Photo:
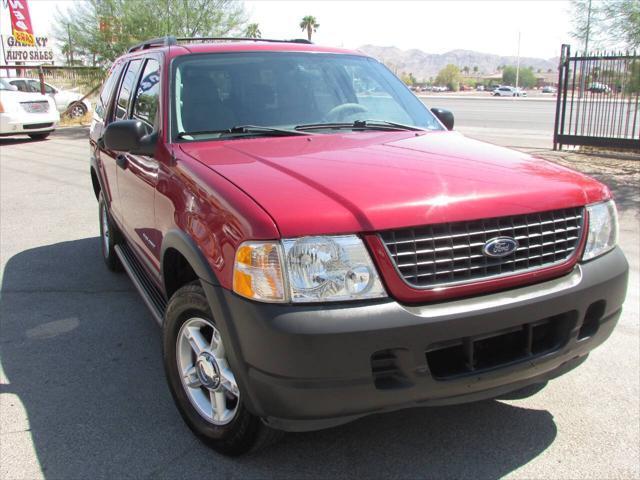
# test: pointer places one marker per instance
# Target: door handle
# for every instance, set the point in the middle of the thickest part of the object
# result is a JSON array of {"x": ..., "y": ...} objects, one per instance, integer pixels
[{"x": 122, "y": 161}]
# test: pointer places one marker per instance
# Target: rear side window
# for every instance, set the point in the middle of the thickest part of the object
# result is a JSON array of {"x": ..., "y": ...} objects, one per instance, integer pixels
[
  {"x": 21, "y": 85},
  {"x": 107, "y": 90},
  {"x": 35, "y": 87},
  {"x": 145, "y": 106},
  {"x": 126, "y": 87}
]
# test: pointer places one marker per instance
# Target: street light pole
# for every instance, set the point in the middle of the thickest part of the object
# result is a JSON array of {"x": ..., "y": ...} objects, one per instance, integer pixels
[{"x": 518, "y": 65}]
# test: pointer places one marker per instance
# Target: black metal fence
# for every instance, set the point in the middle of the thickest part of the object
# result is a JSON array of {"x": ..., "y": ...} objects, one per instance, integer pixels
[{"x": 598, "y": 100}]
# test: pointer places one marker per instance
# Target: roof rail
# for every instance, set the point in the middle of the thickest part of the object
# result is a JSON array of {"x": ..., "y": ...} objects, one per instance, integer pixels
[
  {"x": 240, "y": 39},
  {"x": 154, "y": 42}
]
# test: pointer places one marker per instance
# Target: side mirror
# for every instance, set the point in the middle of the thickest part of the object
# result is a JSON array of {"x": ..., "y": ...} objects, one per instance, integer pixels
[
  {"x": 130, "y": 136},
  {"x": 445, "y": 116}
]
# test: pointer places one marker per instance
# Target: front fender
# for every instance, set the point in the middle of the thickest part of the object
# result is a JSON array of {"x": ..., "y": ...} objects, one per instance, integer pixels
[{"x": 185, "y": 245}]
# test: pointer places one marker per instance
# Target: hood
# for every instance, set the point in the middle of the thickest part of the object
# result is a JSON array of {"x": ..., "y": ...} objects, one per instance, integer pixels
[{"x": 371, "y": 181}]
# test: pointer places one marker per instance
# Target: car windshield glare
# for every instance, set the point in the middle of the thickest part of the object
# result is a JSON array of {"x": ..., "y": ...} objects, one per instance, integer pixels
[{"x": 215, "y": 92}]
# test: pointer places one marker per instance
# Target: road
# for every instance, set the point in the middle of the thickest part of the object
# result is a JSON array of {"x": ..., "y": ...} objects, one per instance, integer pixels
[
  {"x": 83, "y": 394},
  {"x": 513, "y": 122}
]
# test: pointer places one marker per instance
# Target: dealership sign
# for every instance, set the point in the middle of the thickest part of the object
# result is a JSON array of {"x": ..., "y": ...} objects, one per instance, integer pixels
[
  {"x": 21, "y": 22},
  {"x": 16, "y": 51}
]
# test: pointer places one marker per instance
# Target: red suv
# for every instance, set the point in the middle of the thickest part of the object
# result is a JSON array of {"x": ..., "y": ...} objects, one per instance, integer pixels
[{"x": 317, "y": 245}]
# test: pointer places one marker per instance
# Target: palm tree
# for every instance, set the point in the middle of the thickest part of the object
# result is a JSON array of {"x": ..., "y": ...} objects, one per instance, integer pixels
[
  {"x": 253, "y": 31},
  {"x": 309, "y": 24}
]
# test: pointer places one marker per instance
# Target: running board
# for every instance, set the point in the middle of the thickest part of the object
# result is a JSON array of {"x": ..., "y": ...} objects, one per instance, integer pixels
[{"x": 152, "y": 296}]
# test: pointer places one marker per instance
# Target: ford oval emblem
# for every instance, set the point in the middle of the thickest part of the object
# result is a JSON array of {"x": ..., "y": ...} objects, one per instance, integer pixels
[{"x": 500, "y": 247}]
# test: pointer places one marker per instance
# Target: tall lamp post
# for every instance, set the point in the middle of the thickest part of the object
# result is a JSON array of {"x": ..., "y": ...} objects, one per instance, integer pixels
[{"x": 518, "y": 65}]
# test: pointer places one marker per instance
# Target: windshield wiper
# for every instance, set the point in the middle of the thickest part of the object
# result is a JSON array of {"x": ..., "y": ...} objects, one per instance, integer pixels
[
  {"x": 244, "y": 130},
  {"x": 359, "y": 125}
]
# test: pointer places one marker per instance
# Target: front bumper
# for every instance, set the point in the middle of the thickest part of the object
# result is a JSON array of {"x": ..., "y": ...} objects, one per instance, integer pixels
[
  {"x": 25, "y": 123},
  {"x": 308, "y": 367}
]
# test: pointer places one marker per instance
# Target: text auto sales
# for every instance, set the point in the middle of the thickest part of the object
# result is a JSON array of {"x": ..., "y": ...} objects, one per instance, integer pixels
[{"x": 19, "y": 52}]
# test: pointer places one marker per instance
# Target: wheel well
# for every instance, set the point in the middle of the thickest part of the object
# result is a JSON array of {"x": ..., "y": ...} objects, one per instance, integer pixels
[
  {"x": 176, "y": 270},
  {"x": 95, "y": 182}
]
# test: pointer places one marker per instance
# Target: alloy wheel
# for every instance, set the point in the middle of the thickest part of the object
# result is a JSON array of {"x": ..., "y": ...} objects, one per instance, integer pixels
[{"x": 205, "y": 373}]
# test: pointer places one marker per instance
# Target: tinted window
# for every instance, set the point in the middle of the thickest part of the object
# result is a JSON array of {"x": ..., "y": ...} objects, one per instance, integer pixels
[
  {"x": 126, "y": 87},
  {"x": 107, "y": 88},
  {"x": 145, "y": 107},
  {"x": 284, "y": 89},
  {"x": 35, "y": 87},
  {"x": 21, "y": 85}
]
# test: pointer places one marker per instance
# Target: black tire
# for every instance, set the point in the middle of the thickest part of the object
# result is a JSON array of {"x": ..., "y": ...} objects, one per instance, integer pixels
[
  {"x": 245, "y": 432},
  {"x": 526, "y": 392},
  {"x": 39, "y": 136},
  {"x": 77, "y": 110},
  {"x": 109, "y": 236}
]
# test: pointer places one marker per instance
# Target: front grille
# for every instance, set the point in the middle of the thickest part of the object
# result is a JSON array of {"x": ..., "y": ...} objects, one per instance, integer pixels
[
  {"x": 40, "y": 106},
  {"x": 473, "y": 355},
  {"x": 452, "y": 253}
]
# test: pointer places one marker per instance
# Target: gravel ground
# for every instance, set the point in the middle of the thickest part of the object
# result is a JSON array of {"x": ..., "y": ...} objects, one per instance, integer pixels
[{"x": 83, "y": 395}]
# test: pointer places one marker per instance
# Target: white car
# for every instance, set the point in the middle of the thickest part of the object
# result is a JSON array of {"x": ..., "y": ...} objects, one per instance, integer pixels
[
  {"x": 65, "y": 99},
  {"x": 25, "y": 113},
  {"x": 508, "y": 92}
]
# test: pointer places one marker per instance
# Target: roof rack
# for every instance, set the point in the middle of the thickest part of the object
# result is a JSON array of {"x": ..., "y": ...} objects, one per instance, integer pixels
[
  {"x": 171, "y": 40},
  {"x": 241, "y": 39},
  {"x": 154, "y": 42}
]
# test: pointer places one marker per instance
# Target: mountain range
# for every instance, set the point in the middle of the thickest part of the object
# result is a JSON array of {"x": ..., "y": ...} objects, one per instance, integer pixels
[{"x": 424, "y": 65}]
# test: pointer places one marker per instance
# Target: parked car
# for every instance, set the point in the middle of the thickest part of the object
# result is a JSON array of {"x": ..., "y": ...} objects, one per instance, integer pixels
[
  {"x": 480, "y": 88},
  {"x": 26, "y": 113},
  {"x": 597, "y": 87},
  {"x": 65, "y": 99},
  {"x": 505, "y": 91},
  {"x": 315, "y": 255},
  {"x": 549, "y": 89}
]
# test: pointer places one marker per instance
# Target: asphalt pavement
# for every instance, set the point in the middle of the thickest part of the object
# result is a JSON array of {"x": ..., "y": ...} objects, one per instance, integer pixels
[
  {"x": 508, "y": 121},
  {"x": 83, "y": 394}
]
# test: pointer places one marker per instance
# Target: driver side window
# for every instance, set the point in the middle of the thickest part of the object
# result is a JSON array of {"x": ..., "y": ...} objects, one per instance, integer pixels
[
  {"x": 121, "y": 107},
  {"x": 146, "y": 102}
]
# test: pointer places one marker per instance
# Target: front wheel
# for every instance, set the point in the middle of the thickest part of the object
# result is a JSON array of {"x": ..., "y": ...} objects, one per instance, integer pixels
[
  {"x": 77, "y": 110},
  {"x": 39, "y": 136},
  {"x": 201, "y": 380}
]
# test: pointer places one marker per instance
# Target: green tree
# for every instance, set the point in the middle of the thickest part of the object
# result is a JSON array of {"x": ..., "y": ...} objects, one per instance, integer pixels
[
  {"x": 586, "y": 15},
  {"x": 104, "y": 29},
  {"x": 465, "y": 70},
  {"x": 253, "y": 31},
  {"x": 450, "y": 77},
  {"x": 309, "y": 24},
  {"x": 408, "y": 78},
  {"x": 610, "y": 23},
  {"x": 475, "y": 70},
  {"x": 526, "y": 77},
  {"x": 622, "y": 21}
]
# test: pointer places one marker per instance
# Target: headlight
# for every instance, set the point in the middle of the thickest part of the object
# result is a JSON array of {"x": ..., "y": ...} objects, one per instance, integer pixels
[
  {"x": 330, "y": 269},
  {"x": 603, "y": 229},
  {"x": 317, "y": 269}
]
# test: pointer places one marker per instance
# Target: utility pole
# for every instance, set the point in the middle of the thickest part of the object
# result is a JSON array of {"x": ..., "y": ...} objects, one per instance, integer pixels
[
  {"x": 586, "y": 38},
  {"x": 518, "y": 65},
  {"x": 69, "y": 46}
]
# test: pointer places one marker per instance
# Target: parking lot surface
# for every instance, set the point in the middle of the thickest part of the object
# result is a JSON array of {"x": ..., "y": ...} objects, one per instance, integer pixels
[{"x": 83, "y": 394}]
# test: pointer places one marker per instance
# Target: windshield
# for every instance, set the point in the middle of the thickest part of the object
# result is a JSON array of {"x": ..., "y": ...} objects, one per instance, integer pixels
[{"x": 215, "y": 92}]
